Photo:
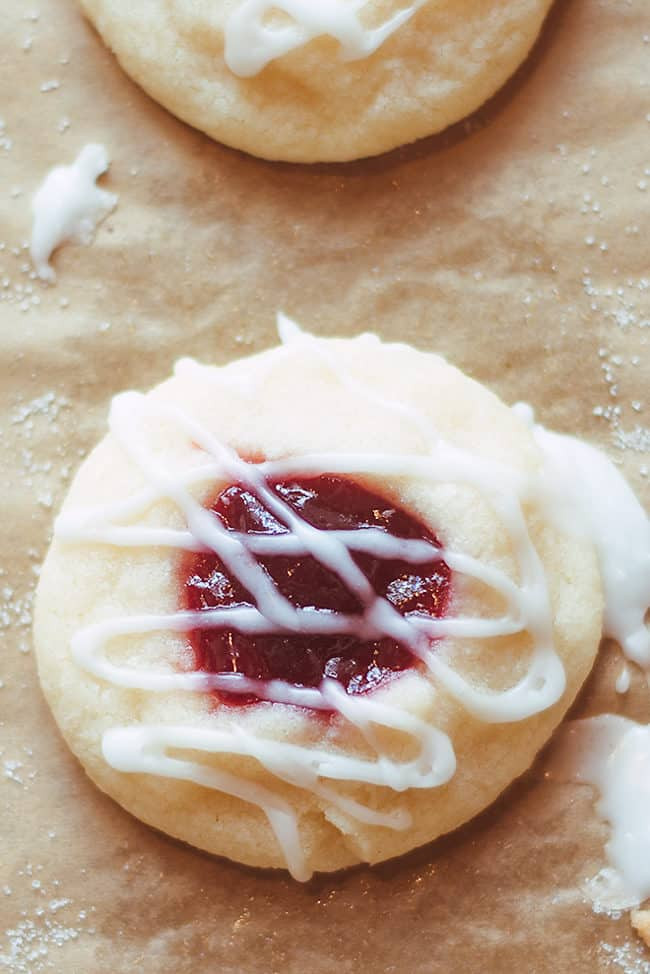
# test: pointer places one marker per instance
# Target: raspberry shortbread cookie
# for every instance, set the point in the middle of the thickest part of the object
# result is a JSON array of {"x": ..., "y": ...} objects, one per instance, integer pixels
[
  {"x": 315, "y": 607},
  {"x": 310, "y": 81}
]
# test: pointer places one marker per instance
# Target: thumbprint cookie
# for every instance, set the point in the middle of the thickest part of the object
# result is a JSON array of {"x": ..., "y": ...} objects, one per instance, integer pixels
[
  {"x": 318, "y": 606},
  {"x": 319, "y": 80}
]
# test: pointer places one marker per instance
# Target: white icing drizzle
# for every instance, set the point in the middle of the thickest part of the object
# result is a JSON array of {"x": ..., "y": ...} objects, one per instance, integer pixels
[
  {"x": 144, "y": 748},
  {"x": 585, "y": 488},
  {"x": 613, "y": 754},
  {"x": 68, "y": 206},
  {"x": 252, "y": 40}
]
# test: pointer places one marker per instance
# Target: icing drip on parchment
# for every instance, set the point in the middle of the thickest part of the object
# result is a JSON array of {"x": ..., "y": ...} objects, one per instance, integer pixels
[
  {"x": 613, "y": 754},
  {"x": 253, "y": 40},
  {"x": 68, "y": 206},
  {"x": 145, "y": 748}
]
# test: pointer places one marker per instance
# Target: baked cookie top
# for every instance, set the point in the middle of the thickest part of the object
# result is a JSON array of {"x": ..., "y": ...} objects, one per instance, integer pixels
[
  {"x": 327, "y": 81},
  {"x": 315, "y": 607}
]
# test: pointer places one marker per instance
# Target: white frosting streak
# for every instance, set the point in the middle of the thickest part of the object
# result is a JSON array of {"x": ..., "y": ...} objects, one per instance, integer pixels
[
  {"x": 68, "y": 206},
  {"x": 144, "y": 750},
  {"x": 594, "y": 500},
  {"x": 253, "y": 39}
]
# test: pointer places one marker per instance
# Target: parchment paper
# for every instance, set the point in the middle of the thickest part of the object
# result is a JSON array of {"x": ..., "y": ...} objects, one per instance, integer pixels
[{"x": 517, "y": 245}]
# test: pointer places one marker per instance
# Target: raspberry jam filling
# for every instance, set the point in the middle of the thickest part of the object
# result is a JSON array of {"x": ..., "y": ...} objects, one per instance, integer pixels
[{"x": 327, "y": 503}]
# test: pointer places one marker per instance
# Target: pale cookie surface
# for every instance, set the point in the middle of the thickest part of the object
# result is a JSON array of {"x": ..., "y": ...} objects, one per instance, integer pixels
[
  {"x": 349, "y": 777},
  {"x": 332, "y": 81}
]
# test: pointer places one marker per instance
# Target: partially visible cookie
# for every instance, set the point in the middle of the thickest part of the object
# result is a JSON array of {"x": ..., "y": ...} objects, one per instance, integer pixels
[
  {"x": 641, "y": 923},
  {"x": 311, "y": 608},
  {"x": 308, "y": 81}
]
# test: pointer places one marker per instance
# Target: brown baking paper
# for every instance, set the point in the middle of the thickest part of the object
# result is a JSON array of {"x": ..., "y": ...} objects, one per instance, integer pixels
[{"x": 516, "y": 244}]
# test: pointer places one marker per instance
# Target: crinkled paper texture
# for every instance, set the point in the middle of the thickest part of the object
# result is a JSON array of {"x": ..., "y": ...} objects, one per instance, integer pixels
[{"x": 516, "y": 244}]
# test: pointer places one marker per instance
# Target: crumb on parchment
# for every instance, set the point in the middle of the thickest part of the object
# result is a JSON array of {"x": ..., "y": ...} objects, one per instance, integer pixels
[{"x": 641, "y": 923}]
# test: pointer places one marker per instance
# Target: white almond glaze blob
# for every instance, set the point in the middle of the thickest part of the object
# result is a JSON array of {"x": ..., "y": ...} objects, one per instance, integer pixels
[
  {"x": 145, "y": 748},
  {"x": 613, "y": 754},
  {"x": 252, "y": 41},
  {"x": 595, "y": 501},
  {"x": 69, "y": 206}
]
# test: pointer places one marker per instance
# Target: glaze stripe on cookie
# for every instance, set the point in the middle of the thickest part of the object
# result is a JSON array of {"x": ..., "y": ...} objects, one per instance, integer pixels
[{"x": 252, "y": 42}]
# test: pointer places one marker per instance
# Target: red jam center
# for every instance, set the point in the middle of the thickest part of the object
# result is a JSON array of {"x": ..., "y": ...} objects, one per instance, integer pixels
[{"x": 328, "y": 503}]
